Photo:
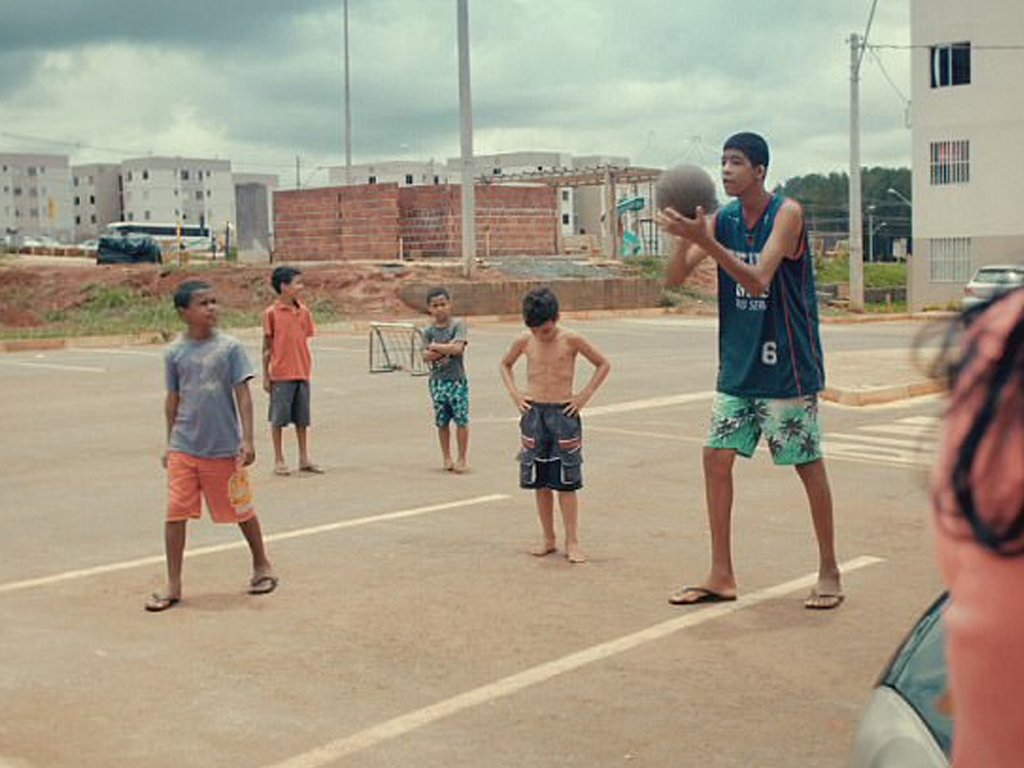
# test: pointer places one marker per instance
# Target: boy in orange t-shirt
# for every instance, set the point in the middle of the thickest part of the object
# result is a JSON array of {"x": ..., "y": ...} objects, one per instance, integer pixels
[{"x": 287, "y": 366}]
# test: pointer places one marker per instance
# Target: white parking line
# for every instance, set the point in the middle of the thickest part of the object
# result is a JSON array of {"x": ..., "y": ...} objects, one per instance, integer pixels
[
  {"x": 419, "y": 718},
  {"x": 99, "y": 570},
  {"x": 54, "y": 366}
]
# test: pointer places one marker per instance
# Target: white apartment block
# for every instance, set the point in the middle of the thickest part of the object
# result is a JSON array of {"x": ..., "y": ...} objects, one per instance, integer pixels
[
  {"x": 405, "y": 173},
  {"x": 35, "y": 197},
  {"x": 968, "y": 120},
  {"x": 96, "y": 198},
  {"x": 172, "y": 189}
]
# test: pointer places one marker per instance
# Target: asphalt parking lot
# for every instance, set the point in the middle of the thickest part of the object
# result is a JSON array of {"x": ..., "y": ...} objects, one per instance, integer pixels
[{"x": 411, "y": 627}]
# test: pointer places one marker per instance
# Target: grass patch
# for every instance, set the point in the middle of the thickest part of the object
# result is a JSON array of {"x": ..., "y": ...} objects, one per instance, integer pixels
[
  {"x": 113, "y": 310},
  {"x": 876, "y": 275}
]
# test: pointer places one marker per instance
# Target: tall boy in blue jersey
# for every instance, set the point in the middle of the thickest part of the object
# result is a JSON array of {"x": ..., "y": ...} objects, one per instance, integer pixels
[{"x": 770, "y": 360}]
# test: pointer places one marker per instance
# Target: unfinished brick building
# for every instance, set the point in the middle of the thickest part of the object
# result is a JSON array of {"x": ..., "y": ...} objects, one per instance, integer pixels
[{"x": 385, "y": 222}]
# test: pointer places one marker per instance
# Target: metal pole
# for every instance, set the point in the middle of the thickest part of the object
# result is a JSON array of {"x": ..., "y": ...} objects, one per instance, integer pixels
[
  {"x": 856, "y": 224},
  {"x": 466, "y": 142},
  {"x": 348, "y": 109},
  {"x": 871, "y": 233}
]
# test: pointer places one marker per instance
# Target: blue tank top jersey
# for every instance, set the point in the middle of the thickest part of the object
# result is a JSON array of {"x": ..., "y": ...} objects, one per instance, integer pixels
[{"x": 768, "y": 346}]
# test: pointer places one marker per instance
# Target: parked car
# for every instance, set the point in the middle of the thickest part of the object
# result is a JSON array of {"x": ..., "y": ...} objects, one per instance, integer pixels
[
  {"x": 991, "y": 281},
  {"x": 127, "y": 249},
  {"x": 907, "y": 723}
]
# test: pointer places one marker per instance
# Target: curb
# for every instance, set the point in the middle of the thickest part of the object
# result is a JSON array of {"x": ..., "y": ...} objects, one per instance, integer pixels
[{"x": 881, "y": 395}]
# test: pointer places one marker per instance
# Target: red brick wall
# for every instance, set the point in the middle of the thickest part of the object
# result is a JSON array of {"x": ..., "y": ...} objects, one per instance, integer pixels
[
  {"x": 366, "y": 222},
  {"x": 510, "y": 221},
  {"x": 337, "y": 223}
]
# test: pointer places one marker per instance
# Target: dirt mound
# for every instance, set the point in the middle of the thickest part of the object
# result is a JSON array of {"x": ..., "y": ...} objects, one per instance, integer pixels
[{"x": 31, "y": 294}]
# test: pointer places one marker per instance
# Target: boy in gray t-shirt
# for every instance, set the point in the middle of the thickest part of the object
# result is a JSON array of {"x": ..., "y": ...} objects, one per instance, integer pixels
[{"x": 445, "y": 342}]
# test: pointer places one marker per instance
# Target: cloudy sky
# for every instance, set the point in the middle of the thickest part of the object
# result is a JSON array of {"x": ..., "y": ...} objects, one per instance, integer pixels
[{"x": 260, "y": 82}]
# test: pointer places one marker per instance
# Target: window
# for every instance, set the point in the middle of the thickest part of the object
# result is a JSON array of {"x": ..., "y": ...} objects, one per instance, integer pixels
[
  {"x": 184, "y": 175},
  {"x": 199, "y": 194},
  {"x": 78, "y": 201},
  {"x": 437, "y": 179},
  {"x": 951, "y": 64},
  {"x": 129, "y": 175},
  {"x": 145, "y": 215},
  {"x": 373, "y": 180},
  {"x": 950, "y": 162},
  {"x": 131, "y": 216},
  {"x": 950, "y": 260},
  {"x": 75, "y": 180},
  {"x": 565, "y": 218},
  {"x": 408, "y": 178},
  {"x": 92, "y": 218},
  {"x": 31, "y": 170},
  {"x": 565, "y": 195},
  {"x": 92, "y": 199},
  {"x": 145, "y": 175}
]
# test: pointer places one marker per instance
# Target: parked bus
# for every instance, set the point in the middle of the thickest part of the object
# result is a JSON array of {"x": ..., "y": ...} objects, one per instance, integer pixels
[{"x": 194, "y": 237}]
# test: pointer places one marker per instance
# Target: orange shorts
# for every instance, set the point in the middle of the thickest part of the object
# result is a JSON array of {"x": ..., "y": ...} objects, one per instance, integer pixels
[{"x": 223, "y": 482}]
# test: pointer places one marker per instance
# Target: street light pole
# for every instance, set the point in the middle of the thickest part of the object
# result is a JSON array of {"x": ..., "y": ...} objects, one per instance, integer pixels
[
  {"x": 348, "y": 108},
  {"x": 466, "y": 141},
  {"x": 897, "y": 194},
  {"x": 856, "y": 228}
]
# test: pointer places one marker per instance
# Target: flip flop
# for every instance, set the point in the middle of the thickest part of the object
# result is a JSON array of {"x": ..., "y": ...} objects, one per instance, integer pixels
[
  {"x": 262, "y": 585},
  {"x": 821, "y": 601},
  {"x": 282, "y": 470},
  {"x": 157, "y": 602},
  {"x": 313, "y": 469},
  {"x": 703, "y": 595}
]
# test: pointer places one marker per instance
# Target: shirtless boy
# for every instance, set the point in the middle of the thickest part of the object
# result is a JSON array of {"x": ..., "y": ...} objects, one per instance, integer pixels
[{"x": 550, "y": 427}]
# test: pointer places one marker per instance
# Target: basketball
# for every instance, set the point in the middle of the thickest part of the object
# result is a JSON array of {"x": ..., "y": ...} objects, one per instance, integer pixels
[{"x": 685, "y": 187}]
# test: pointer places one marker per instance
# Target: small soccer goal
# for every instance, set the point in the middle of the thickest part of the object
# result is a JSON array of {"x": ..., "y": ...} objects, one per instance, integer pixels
[{"x": 397, "y": 347}]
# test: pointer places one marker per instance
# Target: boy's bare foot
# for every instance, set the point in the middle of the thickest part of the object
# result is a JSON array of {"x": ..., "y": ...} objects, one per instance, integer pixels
[
  {"x": 461, "y": 467},
  {"x": 280, "y": 468},
  {"x": 574, "y": 555},
  {"x": 541, "y": 550},
  {"x": 449, "y": 465}
]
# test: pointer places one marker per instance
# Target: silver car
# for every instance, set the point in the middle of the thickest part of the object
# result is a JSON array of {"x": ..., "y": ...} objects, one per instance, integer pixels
[
  {"x": 906, "y": 723},
  {"x": 991, "y": 281}
]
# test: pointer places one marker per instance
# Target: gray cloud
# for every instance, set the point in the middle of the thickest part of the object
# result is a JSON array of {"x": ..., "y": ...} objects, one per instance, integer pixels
[{"x": 260, "y": 81}]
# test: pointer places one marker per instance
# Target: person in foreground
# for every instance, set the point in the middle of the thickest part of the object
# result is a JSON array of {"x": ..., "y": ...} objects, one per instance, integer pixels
[
  {"x": 978, "y": 501},
  {"x": 551, "y": 431},
  {"x": 446, "y": 343},
  {"x": 207, "y": 374},
  {"x": 770, "y": 359}
]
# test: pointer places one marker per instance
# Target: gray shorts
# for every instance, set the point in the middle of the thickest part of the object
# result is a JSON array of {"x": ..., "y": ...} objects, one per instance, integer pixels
[{"x": 289, "y": 403}]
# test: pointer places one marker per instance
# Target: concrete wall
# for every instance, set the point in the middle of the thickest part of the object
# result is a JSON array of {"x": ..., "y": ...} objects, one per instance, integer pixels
[
  {"x": 506, "y": 297},
  {"x": 384, "y": 222}
]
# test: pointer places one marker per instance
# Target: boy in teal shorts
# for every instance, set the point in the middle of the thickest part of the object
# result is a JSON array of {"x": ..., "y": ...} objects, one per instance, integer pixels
[
  {"x": 444, "y": 346},
  {"x": 770, "y": 361}
]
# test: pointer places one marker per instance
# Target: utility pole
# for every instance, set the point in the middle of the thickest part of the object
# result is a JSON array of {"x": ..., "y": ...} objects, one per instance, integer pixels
[
  {"x": 466, "y": 142},
  {"x": 298, "y": 173},
  {"x": 856, "y": 223},
  {"x": 858, "y": 45},
  {"x": 348, "y": 108}
]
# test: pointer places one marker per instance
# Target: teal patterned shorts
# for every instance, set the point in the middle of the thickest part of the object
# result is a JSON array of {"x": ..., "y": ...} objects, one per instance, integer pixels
[
  {"x": 451, "y": 402},
  {"x": 790, "y": 427}
]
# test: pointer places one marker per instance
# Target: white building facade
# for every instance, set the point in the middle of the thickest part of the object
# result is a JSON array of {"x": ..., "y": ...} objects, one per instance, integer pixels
[
  {"x": 172, "y": 189},
  {"x": 35, "y": 197},
  {"x": 96, "y": 198},
  {"x": 968, "y": 120}
]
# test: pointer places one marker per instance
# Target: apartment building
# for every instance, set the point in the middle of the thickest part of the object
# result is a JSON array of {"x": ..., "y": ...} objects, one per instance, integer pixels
[
  {"x": 171, "y": 189},
  {"x": 968, "y": 118},
  {"x": 35, "y": 197},
  {"x": 404, "y": 173},
  {"x": 96, "y": 198}
]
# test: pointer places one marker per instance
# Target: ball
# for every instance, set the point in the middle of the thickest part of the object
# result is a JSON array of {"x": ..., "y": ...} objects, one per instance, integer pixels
[{"x": 685, "y": 187}]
